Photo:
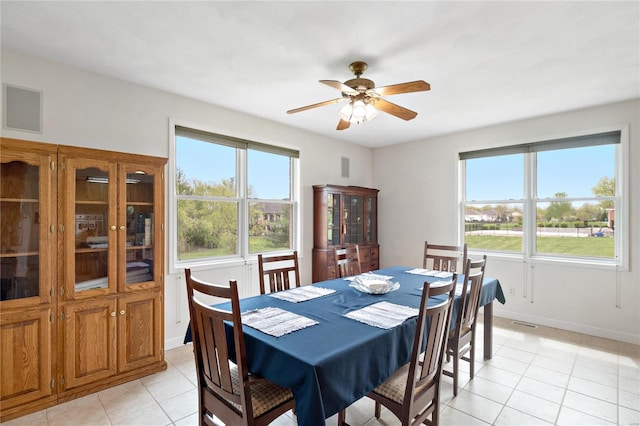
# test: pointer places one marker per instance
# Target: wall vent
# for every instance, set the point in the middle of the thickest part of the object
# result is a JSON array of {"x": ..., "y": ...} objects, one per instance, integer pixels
[
  {"x": 345, "y": 167},
  {"x": 22, "y": 108},
  {"x": 524, "y": 324}
]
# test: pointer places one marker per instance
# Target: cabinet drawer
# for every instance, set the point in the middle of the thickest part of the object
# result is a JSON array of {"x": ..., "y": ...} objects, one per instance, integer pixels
[
  {"x": 365, "y": 254},
  {"x": 375, "y": 252}
]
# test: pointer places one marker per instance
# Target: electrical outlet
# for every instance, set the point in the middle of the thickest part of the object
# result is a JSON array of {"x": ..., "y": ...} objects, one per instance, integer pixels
[{"x": 512, "y": 291}]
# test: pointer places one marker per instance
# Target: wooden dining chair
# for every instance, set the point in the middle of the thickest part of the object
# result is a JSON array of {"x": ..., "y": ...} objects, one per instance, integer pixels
[
  {"x": 461, "y": 344},
  {"x": 412, "y": 393},
  {"x": 444, "y": 257},
  {"x": 279, "y": 270},
  {"x": 347, "y": 261},
  {"x": 225, "y": 388}
]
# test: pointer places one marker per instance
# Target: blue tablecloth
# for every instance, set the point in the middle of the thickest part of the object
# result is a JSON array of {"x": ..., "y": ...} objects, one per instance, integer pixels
[{"x": 333, "y": 364}]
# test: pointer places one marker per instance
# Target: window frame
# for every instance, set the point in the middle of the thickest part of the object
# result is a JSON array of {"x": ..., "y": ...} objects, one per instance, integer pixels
[
  {"x": 620, "y": 261},
  {"x": 243, "y": 256}
]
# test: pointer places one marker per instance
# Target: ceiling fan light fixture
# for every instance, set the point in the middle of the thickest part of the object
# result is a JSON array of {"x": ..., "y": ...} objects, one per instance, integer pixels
[{"x": 358, "y": 112}]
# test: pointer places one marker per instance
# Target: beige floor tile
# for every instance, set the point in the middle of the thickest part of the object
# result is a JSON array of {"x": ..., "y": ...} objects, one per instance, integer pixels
[
  {"x": 498, "y": 375},
  {"x": 570, "y": 417},
  {"x": 182, "y": 405},
  {"x": 491, "y": 390},
  {"x": 476, "y": 406},
  {"x": 591, "y": 406},
  {"x": 629, "y": 400},
  {"x": 39, "y": 418},
  {"x": 629, "y": 384},
  {"x": 509, "y": 417},
  {"x": 150, "y": 415},
  {"x": 451, "y": 416},
  {"x": 564, "y": 366},
  {"x": 593, "y": 389},
  {"x": 191, "y": 420},
  {"x": 164, "y": 390},
  {"x": 534, "y": 406},
  {"x": 516, "y": 354},
  {"x": 628, "y": 417},
  {"x": 547, "y": 376},
  {"x": 542, "y": 390},
  {"x": 508, "y": 364}
]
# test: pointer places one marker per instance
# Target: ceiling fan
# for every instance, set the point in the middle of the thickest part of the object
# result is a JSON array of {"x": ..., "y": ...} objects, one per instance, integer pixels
[{"x": 365, "y": 100}]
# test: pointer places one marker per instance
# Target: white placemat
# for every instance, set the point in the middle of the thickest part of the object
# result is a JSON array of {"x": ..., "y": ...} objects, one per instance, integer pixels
[
  {"x": 275, "y": 321},
  {"x": 383, "y": 314},
  {"x": 301, "y": 294},
  {"x": 430, "y": 273}
]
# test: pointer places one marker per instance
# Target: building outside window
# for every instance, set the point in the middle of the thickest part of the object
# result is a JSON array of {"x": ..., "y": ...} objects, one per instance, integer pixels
[
  {"x": 233, "y": 198},
  {"x": 553, "y": 199}
]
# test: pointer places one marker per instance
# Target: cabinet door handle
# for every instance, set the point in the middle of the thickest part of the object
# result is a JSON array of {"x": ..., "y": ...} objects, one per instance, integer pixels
[
  {"x": 113, "y": 227},
  {"x": 122, "y": 227},
  {"x": 113, "y": 314},
  {"x": 122, "y": 312}
]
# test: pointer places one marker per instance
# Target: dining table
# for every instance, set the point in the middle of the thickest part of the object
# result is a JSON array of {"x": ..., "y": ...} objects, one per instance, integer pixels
[{"x": 336, "y": 359}]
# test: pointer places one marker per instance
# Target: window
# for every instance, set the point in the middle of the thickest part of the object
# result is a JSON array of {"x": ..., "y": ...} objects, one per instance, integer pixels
[
  {"x": 556, "y": 199},
  {"x": 232, "y": 198}
]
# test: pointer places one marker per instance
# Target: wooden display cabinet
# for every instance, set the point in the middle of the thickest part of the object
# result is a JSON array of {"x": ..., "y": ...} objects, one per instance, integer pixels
[
  {"x": 342, "y": 216},
  {"x": 82, "y": 272}
]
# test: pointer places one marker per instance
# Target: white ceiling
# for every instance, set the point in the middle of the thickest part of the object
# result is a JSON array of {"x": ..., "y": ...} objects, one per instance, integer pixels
[{"x": 487, "y": 62}]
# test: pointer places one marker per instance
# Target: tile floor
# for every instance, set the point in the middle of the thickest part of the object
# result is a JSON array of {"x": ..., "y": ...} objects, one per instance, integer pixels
[{"x": 537, "y": 376}]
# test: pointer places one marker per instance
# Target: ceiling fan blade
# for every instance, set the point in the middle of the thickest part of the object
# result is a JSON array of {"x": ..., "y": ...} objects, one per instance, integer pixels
[
  {"x": 340, "y": 86},
  {"x": 343, "y": 124},
  {"x": 393, "y": 109},
  {"x": 395, "y": 89},
  {"x": 319, "y": 104}
]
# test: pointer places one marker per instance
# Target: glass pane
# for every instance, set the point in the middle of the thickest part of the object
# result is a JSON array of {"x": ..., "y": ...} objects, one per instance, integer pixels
[
  {"x": 268, "y": 175},
  {"x": 207, "y": 229},
  {"x": 576, "y": 172},
  {"x": 20, "y": 226},
  {"x": 575, "y": 229},
  {"x": 140, "y": 227},
  {"x": 269, "y": 227},
  {"x": 205, "y": 168},
  {"x": 333, "y": 216},
  {"x": 495, "y": 178},
  {"x": 354, "y": 219},
  {"x": 494, "y": 227},
  {"x": 91, "y": 237},
  {"x": 372, "y": 220}
]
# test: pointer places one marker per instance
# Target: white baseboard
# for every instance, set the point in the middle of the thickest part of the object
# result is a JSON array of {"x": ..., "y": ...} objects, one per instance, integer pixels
[{"x": 571, "y": 326}]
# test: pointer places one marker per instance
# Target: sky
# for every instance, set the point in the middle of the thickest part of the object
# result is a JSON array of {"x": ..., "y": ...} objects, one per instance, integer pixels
[
  {"x": 268, "y": 173},
  {"x": 573, "y": 171}
]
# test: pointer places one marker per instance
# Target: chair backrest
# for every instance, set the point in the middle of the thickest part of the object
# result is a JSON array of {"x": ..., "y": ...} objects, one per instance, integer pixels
[
  {"x": 212, "y": 354},
  {"x": 279, "y": 270},
  {"x": 425, "y": 367},
  {"x": 444, "y": 258},
  {"x": 470, "y": 296},
  {"x": 347, "y": 261}
]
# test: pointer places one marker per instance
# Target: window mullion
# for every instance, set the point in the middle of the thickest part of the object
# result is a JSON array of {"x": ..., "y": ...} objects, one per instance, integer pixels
[{"x": 530, "y": 205}]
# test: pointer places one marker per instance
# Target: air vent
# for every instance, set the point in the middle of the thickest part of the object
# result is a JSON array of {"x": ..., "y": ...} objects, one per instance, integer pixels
[
  {"x": 524, "y": 324},
  {"x": 22, "y": 109}
]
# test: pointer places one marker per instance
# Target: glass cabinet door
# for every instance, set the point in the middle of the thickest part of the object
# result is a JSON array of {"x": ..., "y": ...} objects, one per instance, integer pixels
[
  {"x": 25, "y": 200},
  {"x": 138, "y": 225},
  {"x": 372, "y": 219},
  {"x": 333, "y": 217},
  {"x": 89, "y": 188},
  {"x": 354, "y": 219}
]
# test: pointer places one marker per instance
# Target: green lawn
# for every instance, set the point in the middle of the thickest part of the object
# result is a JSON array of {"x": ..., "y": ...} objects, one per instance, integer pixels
[{"x": 588, "y": 246}]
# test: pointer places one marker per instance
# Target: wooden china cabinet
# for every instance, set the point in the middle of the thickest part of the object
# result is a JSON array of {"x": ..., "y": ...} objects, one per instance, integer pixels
[
  {"x": 82, "y": 272},
  {"x": 343, "y": 216}
]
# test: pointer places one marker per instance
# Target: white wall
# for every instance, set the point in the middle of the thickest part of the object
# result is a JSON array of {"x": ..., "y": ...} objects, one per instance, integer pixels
[
  {"x": 90, "y": 110},
  {"x": 418, "y": 201}
]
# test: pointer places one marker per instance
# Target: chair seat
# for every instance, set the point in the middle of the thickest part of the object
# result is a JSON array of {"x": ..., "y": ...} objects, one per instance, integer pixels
[
  {"x": 265, "y": 395},
  {"x": 395, "y": 386}
]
